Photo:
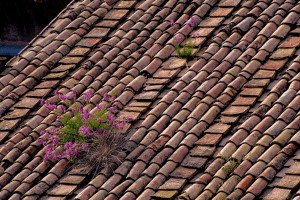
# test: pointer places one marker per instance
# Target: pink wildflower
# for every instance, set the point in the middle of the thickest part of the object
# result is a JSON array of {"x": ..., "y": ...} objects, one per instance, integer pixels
[
  {"x": 113, "y": 99},
  {"x": 196, "y": 35},
  {"x": 74, "y": 93},
  {"x": 84, "y": 146},
  {"x": 172, "y": 22},
  {"x": 177, "y": 38},
  {"x": 106, "y": 97},
  {"x": 99, "y": 120},
  {"x": 88, "y": 95},
  {"x": 63, "y": 97},
  {"x": 187, "y": 25},
  {"x": 192, "y": 21}
]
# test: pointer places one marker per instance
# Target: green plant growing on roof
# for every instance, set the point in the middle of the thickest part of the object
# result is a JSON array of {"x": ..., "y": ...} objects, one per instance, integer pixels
[
  {"x": 188, "y": 47},
  {"x": 115, "y": 93},
  {"x": 231, "y": 168},
  {"x": 92, "y": 138},
  {"x": 289, "y": 196},
  {"x": 152, "y": 55}
]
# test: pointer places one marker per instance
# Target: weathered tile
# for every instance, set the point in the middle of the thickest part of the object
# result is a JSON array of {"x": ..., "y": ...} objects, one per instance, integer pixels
[
  {"x": 219, "y": 128},
  {"x": 28, "y": 103},
  {"x": 236, "y": 110},
  {"x": 203, "y": 32},
  {"x": 254, "y": 92},
  {"x": 229, "y": 3},
  {"x": 294, "y": 169},
  {"x": 283, "y": 53},
  {"x": 209, "y": 139},
  {"x": 221, "y": 11},
  {"x": 244, "y": 101},
  {"x": 204, "y": 151},
  {"x": 133, "y": 115},
  {"x": 255, "y": 83},
  {"x": 278, "y": 193},
  {"x": 88, "y": 42},
  {"x": 108, "y": 23},
  {"x": 288, "y": 181},
  {"x": 211, "y": 22},
  {"x": 290, "y": 42},
  {"x": 98, "y": 32},
  {"x": 116, "y": 14},
  {"x": 62, "y": 190},
  {"x": 165, "y": 194},
  {"x": 71, "y": 60},
  {"x": 183, "y": 172},
  {"x": 194, "y": 162},
  {"x": 174, "y": 63},
  {"x": 173, "y": 184},
  {"x": 264, "y": 74},
  {"x": 62, "y": 68},
  {"x": 17, "y": 113},
  {"x": 150, "y": 96},
  {"x": 47, "y": 84},
  {"x": 39, "y": 93}
]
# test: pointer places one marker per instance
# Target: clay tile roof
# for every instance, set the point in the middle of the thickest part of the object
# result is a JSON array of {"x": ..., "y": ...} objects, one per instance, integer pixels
[{"x": 222, "y": 125}]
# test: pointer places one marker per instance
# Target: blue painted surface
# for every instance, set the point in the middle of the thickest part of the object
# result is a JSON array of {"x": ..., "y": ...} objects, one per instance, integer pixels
[{"x": 10, "y": 50}]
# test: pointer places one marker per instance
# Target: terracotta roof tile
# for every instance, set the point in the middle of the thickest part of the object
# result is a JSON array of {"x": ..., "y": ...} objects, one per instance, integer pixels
[{"x": 176, "y": 121}]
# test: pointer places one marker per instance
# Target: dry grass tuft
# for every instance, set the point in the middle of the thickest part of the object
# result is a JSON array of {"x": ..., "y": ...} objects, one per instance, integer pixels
[{"x": 102, "y": 151}]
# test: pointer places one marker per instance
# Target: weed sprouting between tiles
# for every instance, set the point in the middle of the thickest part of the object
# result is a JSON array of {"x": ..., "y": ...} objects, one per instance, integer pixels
[
  {"x": 188, "y": 47},
  {"x": 94, "y": 137},
  {"x": 230, "y": 168}
]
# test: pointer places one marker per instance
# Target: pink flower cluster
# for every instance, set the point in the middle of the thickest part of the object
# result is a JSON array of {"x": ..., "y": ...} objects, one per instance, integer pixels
[
  {"x": 78, "y": 132},
  {"x": 187, "y": 50}
]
